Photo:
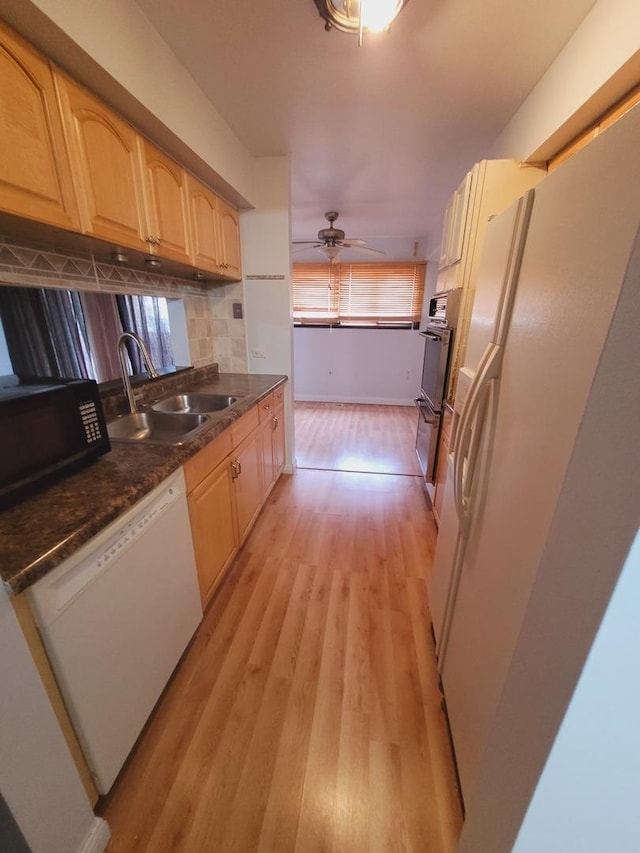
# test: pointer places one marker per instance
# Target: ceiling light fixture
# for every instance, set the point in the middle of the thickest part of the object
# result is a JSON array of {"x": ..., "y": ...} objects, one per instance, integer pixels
[
  {"x": 356, "y": 16},
  {"x": 332, "y": 253}
]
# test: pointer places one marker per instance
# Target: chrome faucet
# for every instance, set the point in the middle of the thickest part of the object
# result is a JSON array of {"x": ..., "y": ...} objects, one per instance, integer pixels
[{"x": 126, "y": 379}]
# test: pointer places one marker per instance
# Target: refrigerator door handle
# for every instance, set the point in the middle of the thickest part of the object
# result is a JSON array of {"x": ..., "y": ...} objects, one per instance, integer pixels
[{"x": 470, "y": 433}]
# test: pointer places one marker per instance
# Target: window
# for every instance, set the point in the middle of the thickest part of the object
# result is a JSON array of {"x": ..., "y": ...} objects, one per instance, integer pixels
[
  {"x": 62, "y": 333},
  {"x": 374, "y": 295}
]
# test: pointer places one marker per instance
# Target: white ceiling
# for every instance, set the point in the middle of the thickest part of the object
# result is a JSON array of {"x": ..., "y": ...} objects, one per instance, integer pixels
[{"x": 381, "y": 133}]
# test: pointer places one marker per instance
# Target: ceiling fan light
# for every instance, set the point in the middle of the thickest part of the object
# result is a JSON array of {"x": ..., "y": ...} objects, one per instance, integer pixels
[
  {"x": 331, "y": 252},
  {"x": 378, "y": 14},
  {"x": 356, "y": 16}
]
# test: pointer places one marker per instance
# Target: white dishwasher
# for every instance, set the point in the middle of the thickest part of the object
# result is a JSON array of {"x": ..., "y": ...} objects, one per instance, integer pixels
[{"x": 115, "y": 619}]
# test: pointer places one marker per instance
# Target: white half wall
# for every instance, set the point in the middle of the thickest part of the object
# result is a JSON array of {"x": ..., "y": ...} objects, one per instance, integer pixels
[
  {"x": 358, "y": 365},
  {"x": 266, "y": 265},
  {"x": 38, "y": 778},
  {"x": 597, "y": 66}
]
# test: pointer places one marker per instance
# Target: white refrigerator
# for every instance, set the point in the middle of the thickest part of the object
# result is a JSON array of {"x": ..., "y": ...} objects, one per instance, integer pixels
[{"x": 553, "y": 269}]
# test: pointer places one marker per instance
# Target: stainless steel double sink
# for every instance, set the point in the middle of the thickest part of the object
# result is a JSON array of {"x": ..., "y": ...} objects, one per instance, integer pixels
[{"x": 175, "y": 419}]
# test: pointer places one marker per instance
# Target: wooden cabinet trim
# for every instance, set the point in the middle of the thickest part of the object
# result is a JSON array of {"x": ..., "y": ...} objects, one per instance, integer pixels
[{"x": 24, "y": 614}]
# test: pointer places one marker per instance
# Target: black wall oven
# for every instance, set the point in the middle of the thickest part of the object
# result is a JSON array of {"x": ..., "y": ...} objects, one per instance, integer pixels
[{"x": 438, "y": 343}]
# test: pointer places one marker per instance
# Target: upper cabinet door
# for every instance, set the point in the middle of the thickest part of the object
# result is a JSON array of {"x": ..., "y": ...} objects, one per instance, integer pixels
[
  {"x": 168, "y": 201},
  {"x": 35, "y": 178},
  {"x": 106, "y": 168},
  {"x": 230, "y": 240},
  {"x": 205, "y": 242},
  {"x": 455, "y": 218}
]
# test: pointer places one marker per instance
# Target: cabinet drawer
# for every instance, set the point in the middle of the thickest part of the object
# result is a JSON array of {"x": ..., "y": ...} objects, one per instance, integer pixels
[
  {"x": 278, "y": 397},
  {"x": 266, "y": 408},
  {"x": 242, "y": 427},
  {"x": 197, "y": 468}
]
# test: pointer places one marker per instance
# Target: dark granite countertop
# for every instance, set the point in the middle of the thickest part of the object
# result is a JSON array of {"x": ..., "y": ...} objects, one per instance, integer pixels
[{"x": 37, "y": 534}]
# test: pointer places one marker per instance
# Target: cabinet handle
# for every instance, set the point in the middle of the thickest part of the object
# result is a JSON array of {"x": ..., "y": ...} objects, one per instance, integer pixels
[
  {"x": 274, "y": 421},
  {"x": 236, "y": 468}
]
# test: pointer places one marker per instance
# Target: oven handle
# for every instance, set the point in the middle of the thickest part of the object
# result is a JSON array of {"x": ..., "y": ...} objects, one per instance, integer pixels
[{"x": 421, "y": 405}]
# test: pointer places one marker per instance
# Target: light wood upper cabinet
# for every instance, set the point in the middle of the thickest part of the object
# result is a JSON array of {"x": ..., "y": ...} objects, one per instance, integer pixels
[
  {"x": 215, "y": 232},
  {"x": 203, "y": 212},
  {"x": 229, "y": 224},
  {"x": 167, "y": 204},
  {"x": 35, "y": 175},
  {"x": 106, "y": 167},
  {"x": 68, "y": 160}
]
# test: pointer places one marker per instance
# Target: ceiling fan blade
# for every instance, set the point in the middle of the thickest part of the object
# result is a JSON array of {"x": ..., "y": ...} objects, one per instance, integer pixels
[
  {"x": 306, "y": 248},
  {"x": 306, "y": 243},
  {"x": 353, "y": 241},
  {"x": 364, "y": 249}
]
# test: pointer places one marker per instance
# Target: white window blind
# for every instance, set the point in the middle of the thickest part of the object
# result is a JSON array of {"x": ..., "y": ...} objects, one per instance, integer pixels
[{"x": 374, "y": 294}]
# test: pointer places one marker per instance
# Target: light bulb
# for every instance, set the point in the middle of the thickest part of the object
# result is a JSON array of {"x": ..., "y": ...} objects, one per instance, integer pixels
[{"x": 376, "y": 15}]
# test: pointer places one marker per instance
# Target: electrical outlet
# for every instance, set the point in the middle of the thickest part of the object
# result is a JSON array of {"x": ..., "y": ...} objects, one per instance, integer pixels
[{"x": 259, "y": 353}]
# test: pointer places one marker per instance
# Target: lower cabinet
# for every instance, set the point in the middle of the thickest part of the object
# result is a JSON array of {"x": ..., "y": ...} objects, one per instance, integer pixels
[
  {"x": 215, "y": 538},
  {"x": 247, "y": 480},
  {"x": 272, "y": 432},
  {"x": 278, "y": 442},
  {"x": 227, "y": 484}
]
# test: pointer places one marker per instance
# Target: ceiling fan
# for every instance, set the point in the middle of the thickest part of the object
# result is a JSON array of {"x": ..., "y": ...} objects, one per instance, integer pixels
[{"x": 331, "y": 240}]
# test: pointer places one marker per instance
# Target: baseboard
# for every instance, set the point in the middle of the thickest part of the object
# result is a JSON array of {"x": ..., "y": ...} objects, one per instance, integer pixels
[
  {"x": 97, "y": 838},
  {"x": 372, "y": 401}
]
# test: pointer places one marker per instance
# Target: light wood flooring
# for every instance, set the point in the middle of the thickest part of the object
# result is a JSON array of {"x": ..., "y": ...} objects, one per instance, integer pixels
[
  {"x": 305, "y": 715},
  {"x": 351, "y": 437}
]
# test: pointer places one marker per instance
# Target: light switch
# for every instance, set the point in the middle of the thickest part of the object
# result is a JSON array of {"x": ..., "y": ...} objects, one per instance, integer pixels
[{"x": 237, "y": 310}]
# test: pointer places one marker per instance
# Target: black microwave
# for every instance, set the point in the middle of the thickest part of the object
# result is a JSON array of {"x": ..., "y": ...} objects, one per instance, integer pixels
[{"x": 48, "y": 428}]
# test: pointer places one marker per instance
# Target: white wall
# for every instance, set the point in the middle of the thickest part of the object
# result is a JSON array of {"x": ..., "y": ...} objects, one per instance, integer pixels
[
  {"x": 37, "y": 776},
  {"x": 598, "y": 65},
  {"x": 587, "y": 796},
  {"x": 358, "y": 365},
  {"x": 266, "y": 266}
]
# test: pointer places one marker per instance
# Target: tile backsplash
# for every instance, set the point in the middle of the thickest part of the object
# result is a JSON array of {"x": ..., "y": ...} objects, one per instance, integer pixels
[{"x": 214, "y": 334}]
